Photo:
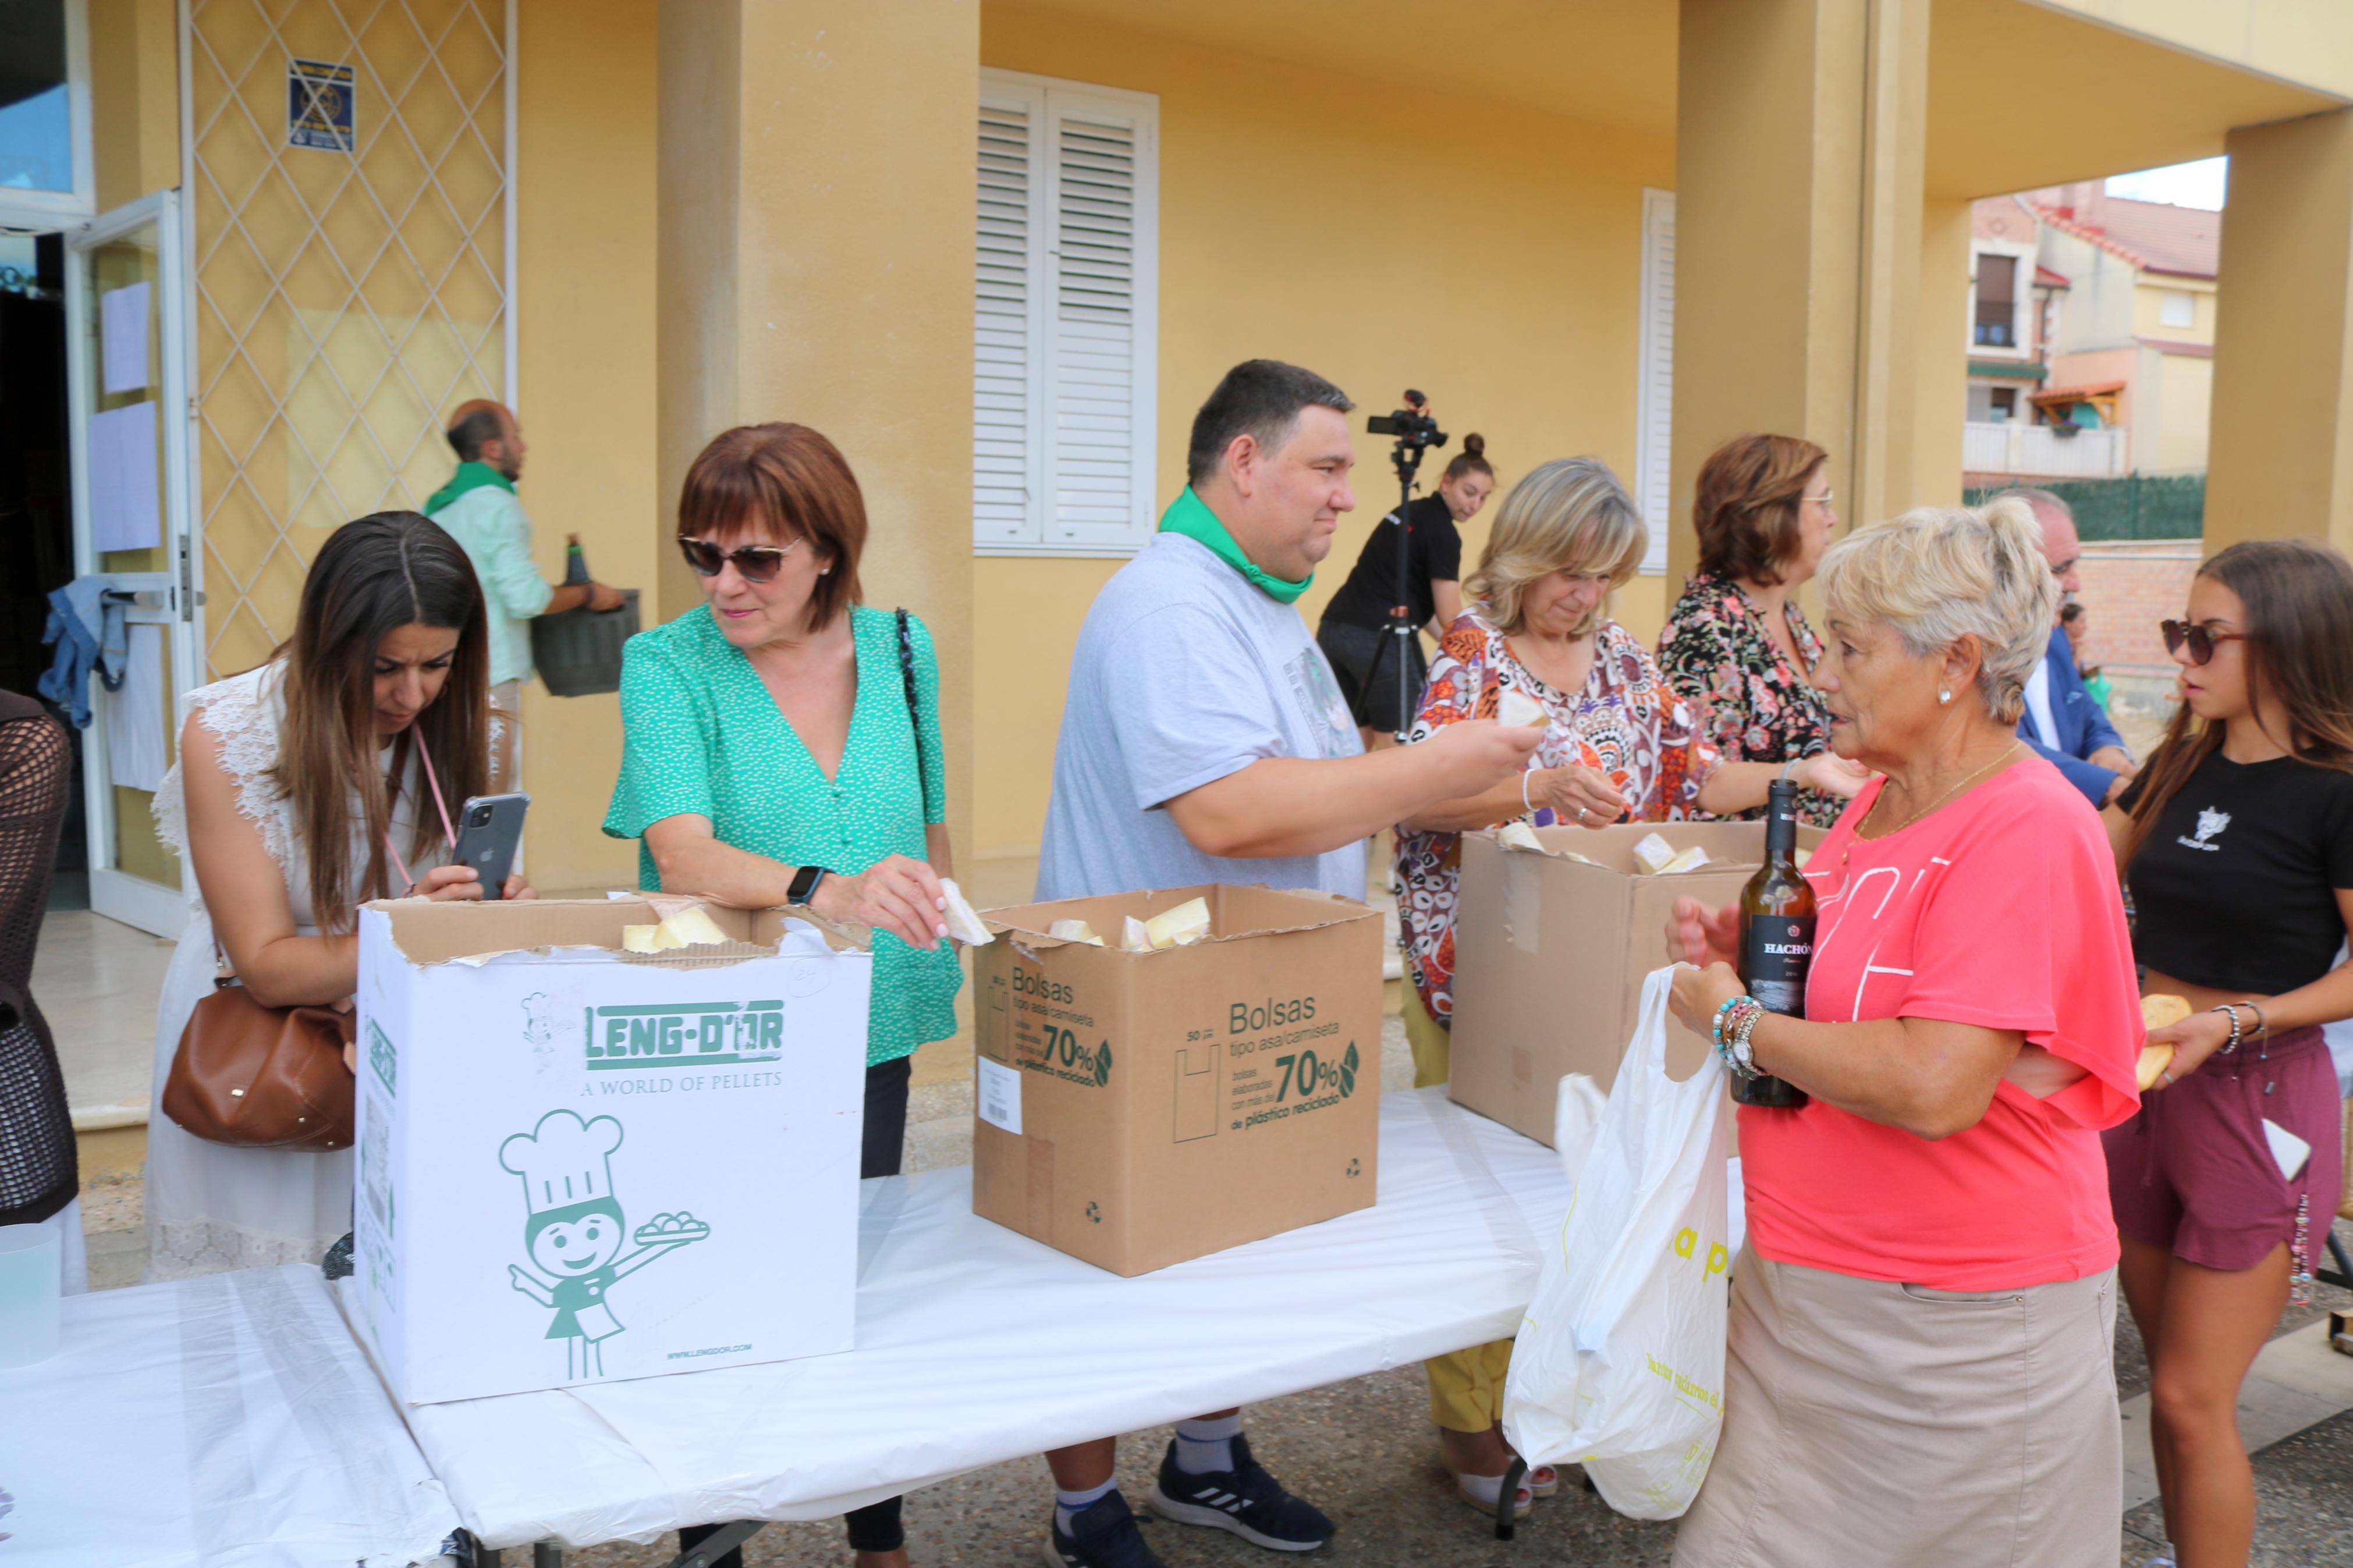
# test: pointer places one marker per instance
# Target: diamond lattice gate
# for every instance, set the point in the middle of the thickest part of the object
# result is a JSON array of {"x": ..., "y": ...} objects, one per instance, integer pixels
[{"x": 350, "y": 275}]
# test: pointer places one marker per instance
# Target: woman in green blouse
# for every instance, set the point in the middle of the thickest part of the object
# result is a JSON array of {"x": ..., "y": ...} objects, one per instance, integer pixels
[{"x": 772, "y": 756}]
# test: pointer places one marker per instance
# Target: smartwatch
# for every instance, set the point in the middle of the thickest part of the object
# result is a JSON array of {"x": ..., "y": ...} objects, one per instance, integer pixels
[{"x": 804, "y": 884}]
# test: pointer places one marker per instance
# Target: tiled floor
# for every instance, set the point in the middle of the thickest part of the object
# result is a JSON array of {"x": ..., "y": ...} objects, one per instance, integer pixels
[{"x": 97, "y": 981}]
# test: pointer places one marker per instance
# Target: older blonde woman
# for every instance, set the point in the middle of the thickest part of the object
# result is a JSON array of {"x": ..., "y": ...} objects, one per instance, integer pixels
[
  {"x": 1922, "y": 1321},
  {"x": 1620, "y": 745}
]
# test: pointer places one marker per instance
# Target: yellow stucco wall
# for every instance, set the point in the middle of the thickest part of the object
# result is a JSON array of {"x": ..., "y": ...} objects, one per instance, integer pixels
[
  {"x": 2185, "y": 399},
  {"x": 1486, "y": 254},
  {"x": 134, "y": 89},
  {"x": 2149, "y": 307},
  {"x": 585, "y": 303}
]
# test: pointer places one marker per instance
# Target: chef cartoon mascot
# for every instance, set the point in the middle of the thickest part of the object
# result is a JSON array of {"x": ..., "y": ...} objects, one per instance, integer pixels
[{"x": 576, "y": 1239}]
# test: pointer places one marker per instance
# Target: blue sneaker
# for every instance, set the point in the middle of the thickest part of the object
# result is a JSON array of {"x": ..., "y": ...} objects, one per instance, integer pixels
[
  {"x": 1244, "y": 1499},
  {"x": 1102, "y": 1535}
]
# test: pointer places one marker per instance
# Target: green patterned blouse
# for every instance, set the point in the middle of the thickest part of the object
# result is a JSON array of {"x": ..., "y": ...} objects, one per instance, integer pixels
[{"x": 703, "y": 737}]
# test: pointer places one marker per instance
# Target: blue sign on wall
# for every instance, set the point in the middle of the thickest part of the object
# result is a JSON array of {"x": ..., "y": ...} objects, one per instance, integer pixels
[{"x": 319, "y": 106}]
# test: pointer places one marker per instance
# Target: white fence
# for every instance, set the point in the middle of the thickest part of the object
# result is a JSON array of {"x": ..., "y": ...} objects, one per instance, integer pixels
[{"x": 2014, "y": 447}]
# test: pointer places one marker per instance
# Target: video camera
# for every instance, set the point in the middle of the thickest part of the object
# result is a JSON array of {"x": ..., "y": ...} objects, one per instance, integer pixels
[{"x": 1414, "y": 429}]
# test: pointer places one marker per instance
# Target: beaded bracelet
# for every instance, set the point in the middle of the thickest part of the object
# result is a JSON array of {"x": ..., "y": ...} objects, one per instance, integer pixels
[{"x": 2230, "y": 1011}]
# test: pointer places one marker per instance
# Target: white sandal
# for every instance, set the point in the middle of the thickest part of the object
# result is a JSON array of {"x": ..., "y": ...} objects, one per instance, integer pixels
[{"x": 1466, "y": 1487}]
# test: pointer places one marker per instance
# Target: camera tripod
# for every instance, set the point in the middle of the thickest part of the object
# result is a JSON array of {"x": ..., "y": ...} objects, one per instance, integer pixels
[{"x": 1417, "y": 432}]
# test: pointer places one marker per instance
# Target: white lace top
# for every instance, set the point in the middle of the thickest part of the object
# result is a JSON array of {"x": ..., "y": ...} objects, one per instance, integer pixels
[
  {"x": 245, "y": 713},
  {"x": 209, "y": 1206}
]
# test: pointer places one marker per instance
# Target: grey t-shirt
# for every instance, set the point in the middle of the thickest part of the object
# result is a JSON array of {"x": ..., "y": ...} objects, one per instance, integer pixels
[{"x": 1184, "y": 673}]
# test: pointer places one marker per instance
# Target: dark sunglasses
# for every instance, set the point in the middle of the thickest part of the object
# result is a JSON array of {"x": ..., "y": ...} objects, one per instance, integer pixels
[
  {"x": 2199, "y": 640},
  {"x": 753, "y": 563}
]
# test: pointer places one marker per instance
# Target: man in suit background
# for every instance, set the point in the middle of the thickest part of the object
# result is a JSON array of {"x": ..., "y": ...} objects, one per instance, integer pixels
[{"x": 2063, "y": 720}]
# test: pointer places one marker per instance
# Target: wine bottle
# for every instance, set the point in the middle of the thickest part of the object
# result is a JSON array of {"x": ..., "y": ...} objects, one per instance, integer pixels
[
  {"x": 1777, "y": 937},
  {"x": 575, "y": 562}
]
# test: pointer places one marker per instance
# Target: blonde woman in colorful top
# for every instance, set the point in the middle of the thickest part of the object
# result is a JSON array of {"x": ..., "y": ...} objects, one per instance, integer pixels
[{"x": 1620, "y": 746}]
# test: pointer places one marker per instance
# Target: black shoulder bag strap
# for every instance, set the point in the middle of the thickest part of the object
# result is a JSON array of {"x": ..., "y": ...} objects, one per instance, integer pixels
[{"x": 914, "y": 715}]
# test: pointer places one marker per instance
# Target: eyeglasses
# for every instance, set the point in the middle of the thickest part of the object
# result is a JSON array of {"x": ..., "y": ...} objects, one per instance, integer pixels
[
  {"x": 753, "y": 563},
  {"x": 2200, "y": 639},
  {"x": 1821, "y": 500}
]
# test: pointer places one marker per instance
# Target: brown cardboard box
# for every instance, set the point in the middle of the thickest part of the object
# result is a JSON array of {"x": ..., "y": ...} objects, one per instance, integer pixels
[
  {"x": 1136, "y": 1110},
  {"x": 1550, "y": 954}
]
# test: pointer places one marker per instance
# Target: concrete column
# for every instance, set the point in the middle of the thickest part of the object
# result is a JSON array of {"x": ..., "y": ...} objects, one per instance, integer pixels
[
  {"x": 2281, "y": 457},
  {"x": 816, "y": 172},
  {"x": 1799, "y": 139},
  {"x": 1940, "y": 353}
]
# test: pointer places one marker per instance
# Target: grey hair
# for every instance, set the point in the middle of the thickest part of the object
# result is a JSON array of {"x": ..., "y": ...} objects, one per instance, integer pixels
[
  {"x": 1936, "y": 574},
  {"x": 2038, "y": 500},
  {"x": 1568, "y": 515}
]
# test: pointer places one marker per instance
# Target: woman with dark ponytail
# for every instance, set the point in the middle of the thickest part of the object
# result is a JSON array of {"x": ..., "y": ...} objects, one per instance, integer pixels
[
  {"x": 326, "y": 777},
  {"x": 1355, "y": 624},
  {"x": 2237, "y": 843}
]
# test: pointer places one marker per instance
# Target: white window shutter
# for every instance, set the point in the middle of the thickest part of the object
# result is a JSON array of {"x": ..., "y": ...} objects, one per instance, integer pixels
[
  {"x": 1655, "y": 391},
  {"x": 1008, "y": 492},
  {"x": 1086, "y": 342}
]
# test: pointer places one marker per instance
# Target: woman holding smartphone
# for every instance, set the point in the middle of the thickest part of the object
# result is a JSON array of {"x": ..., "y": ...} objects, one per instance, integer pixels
[
  {"x": 2237, "y": 843},
  {"x": 324, "y": 778},
  {"x": 781, "y": 747}
]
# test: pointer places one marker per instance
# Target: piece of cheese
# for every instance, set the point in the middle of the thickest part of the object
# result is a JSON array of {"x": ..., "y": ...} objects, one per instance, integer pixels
[
  {"x": 1134, "y": 937},
  {"x": 963, "y": 923},
  {"x": 1690, "y": 859},
  {"x": 2162, "y": 1011},
  {"x": 1519, "y": 835},
  {"x": 1517, "y": 708},
  {"x": 639, "y": 938},
  {"x": 1074, "y": 931},
  {"x": 1652, "y": 854},
  {"x": 694, "y": 926},
  {"x": 1804, "y": 855},
  {"x": 1183, "y": 926},
  {"x": 2154, "y": 1060}
]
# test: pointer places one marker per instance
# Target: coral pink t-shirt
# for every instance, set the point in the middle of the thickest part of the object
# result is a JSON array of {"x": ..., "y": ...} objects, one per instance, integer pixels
[{"x": 2000, "y": 910}]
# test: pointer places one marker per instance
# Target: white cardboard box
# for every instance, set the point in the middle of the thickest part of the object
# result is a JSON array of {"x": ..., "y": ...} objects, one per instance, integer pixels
[{"x": 577, "y": 1165}]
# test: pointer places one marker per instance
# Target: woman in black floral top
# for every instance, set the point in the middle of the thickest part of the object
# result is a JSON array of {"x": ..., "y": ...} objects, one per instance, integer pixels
[{"x": 1738, "y": 647}]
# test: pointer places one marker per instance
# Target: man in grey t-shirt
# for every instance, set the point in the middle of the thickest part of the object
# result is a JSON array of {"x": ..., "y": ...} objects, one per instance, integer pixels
[{"x": 1205, "y": 740}]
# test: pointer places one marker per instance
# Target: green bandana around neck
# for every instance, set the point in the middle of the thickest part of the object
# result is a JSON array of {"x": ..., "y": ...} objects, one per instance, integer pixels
[
  {"x": 1189, "y": 515},
  {"x": 469, "y": 477}
]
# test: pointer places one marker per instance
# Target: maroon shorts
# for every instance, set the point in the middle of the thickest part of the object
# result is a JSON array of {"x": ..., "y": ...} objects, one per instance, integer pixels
[{"x": 2193, "y": 1173}]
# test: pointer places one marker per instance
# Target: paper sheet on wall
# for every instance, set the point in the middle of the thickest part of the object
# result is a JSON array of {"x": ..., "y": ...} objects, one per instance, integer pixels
[
  {"x": 122, "y": 337},
  {"x": 134, "y": 715},
  {"x": 124, "y": 509}
]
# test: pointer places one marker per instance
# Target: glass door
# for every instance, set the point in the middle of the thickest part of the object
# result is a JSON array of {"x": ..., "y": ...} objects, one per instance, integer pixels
[{"x": 127, "y": 384}]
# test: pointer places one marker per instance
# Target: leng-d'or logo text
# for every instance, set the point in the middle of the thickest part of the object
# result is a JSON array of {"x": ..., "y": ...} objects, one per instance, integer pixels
[{"x": 669, "y": 1035}]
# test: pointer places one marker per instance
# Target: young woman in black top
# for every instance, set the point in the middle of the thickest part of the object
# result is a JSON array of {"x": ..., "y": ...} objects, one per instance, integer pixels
[
  {"x": 2237, "y": 841},
  {"x": 1355, "y": 623}
]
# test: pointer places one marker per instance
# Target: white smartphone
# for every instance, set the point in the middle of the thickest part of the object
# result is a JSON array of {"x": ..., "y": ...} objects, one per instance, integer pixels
[
  {"x": 490, "y": 831},
  {"x": 2290, "y": 1150}
]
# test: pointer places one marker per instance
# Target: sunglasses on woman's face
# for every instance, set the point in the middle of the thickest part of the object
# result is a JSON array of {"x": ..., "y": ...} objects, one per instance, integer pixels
[
  {"x": 2200, "y": 640},
  {"x": 753, "y": 563}
]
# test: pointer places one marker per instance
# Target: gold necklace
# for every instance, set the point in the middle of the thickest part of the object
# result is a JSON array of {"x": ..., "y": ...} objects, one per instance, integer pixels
[{"x": 2007, "y": 752}]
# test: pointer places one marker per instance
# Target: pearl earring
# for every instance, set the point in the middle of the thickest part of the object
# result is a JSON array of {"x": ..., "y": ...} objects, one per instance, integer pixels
[
  {"x": 822, "y": 571},
  {"x": 1943, "y": 697}
]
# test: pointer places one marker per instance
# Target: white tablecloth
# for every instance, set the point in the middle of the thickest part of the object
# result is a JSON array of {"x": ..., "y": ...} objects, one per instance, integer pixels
[
  {"x": 978, "y": 1345},
  {"x": 227, "y": 1422}
]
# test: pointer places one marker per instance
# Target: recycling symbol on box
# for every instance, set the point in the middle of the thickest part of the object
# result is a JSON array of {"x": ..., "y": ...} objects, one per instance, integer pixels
[
  {"x": 1356, "y": 1167},
  {"x": 1094, "y": 1212}
]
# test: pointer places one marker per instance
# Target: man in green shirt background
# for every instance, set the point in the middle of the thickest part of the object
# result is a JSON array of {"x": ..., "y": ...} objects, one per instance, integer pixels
[{"x": 478, "y": 507}]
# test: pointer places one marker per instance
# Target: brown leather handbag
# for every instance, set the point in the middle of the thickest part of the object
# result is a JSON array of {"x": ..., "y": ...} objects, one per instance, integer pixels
[{"x": 262, "y": 1077}]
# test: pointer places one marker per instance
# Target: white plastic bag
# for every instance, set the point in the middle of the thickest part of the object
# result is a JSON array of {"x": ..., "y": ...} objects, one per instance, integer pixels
[
  {"x": 1619, "y": 1363},
  {"x": 1577, "y": 1116}
]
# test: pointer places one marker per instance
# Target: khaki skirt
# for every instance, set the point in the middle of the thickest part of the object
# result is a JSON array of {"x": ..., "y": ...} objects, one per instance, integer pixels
[{"x": 1870, "y": 1423}]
